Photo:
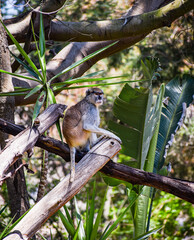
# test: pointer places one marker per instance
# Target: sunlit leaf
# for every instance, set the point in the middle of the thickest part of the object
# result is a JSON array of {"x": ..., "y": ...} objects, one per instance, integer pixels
[
  {"x": 19, "y": 75},
  {"x": 81, "y": 61},
  {"x": 39, "y": 103},
  {"x": 29, "y": 69},
  {"x": 23, "y": 53},
  {"x": 69, "y": 227},
  {"x": 33, "y": 91}
]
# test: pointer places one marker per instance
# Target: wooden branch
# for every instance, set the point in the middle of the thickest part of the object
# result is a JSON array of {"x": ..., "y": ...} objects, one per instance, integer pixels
[
  {"x": 119, "y": 28},
  {"x": 180, "y": 188},
  {"x": 26, "y": 140},
  {"x": 91, "y": 163}
]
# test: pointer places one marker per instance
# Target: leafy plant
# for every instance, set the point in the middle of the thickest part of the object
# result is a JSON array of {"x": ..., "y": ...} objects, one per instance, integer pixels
[
  {"x": 92, "y": 224},
  {"x": 140, "y": 131}
]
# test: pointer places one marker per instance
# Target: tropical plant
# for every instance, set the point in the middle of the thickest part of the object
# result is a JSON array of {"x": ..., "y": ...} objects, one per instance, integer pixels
[{"x": 145, "y": 137}]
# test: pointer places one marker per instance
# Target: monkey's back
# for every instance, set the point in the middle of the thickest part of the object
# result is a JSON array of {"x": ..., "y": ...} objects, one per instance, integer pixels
[{"x": 73, "y": 130}]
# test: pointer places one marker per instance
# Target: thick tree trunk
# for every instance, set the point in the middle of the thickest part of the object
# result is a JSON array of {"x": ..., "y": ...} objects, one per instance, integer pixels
[{"x": 16, "y": 186}]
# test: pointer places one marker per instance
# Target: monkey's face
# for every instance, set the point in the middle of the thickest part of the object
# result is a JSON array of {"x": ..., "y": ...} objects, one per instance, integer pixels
[
  {"x": 98, "y": 98},
  {"x": 95, "y": 96}
]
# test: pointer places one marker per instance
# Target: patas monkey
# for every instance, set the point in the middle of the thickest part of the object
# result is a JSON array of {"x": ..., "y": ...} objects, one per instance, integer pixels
[{"x": 81, "y": 124}]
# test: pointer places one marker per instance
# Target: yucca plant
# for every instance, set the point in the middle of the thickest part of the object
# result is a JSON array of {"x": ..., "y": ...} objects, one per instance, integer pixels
[{"x": 89, "y": 230}]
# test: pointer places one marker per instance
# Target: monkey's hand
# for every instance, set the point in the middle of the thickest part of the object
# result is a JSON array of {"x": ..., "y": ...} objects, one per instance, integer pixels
[{"x": 114, "y": 137}]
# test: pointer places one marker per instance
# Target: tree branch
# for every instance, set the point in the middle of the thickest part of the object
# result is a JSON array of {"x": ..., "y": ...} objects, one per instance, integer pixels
[
  {"x": 120, "y": 28},
  {"x": 180, "y": 188},
  {"x": 26, "y": 139}
]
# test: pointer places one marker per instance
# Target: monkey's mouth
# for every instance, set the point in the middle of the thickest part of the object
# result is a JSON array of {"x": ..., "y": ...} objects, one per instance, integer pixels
[{"x": 99, "y": 102}]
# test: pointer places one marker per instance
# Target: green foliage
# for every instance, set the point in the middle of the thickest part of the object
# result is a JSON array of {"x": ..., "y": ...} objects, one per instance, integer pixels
[
  {"x": 175, "y": 215},
  {"x": 140, "y": 131},
  {"x": 92, "y": 222},
  {"x": 178, "y": 95}
]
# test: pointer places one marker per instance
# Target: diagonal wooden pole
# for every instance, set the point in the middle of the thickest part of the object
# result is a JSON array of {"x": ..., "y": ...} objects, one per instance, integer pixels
[{"x": 91, "y": 163}]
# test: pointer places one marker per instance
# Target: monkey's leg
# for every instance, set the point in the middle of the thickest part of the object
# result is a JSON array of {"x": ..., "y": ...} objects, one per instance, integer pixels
[
  {"x": 93, "y": 139},
  {"x": 100, "y": 131},
  {"x": 72, "y": 156}
]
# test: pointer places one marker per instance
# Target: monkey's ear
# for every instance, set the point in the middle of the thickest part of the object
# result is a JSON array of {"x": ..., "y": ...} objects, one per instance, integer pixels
[{"x": 88, "y": 92}]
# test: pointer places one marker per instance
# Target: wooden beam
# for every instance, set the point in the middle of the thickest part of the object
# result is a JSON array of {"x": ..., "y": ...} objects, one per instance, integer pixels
[{"x": 91, "y": 163}]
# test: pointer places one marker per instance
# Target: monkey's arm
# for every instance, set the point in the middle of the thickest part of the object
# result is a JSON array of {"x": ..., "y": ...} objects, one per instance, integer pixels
[{"x": 100, "y": 131}]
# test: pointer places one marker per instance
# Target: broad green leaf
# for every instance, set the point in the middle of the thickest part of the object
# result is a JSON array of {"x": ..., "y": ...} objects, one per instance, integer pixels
[
  {"x": 69, "y": 227},
  {"x": 133, "y": 107},
  {"x": 39, "y": 103},
  {"x": 33, "y": 91},
  {"x": 23, "y": 53},
  {"x": 179, "y": 94},
  {"x": 81, "y": 61}
]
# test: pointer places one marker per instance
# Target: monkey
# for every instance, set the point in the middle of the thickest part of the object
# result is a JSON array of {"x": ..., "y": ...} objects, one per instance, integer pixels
[{"x": 81, "y": 125}]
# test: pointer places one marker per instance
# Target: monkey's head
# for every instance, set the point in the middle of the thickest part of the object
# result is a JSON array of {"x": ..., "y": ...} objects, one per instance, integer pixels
[{"x": 95, "y": 96}]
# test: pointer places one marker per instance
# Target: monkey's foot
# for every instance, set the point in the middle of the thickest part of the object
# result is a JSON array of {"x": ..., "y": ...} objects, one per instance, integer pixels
[{"x": 72, "y": 176}]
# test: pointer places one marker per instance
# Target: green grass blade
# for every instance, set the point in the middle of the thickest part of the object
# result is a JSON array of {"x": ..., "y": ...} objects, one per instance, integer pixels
[
  {"x": 33, "y": 91},
  {"x": 91, "y": 85},
  {"x": 77, "y": 231},
  {"x": 146, "y": 72},
  {"x": 59, "y": 130},
  {"x": 87, "y": 217},
  {"x": 6, "y": 229},
  {"x": 29, "y": 69},
  {"x": 69, "y": 227},
  {"x": 42, "y": 59},
  {"x": 52, "y": 100},
  {"x": 82, "y": 61},
  {"x": 14, "y": 93},
  {"x": 51, "y": 96},
  {"x": 68, "y": 215},
  {"x": 19, "y": 76},
  {"x": 147, "y": 234},
  {"x": 41, "y": 56},
  {"x": 114, "y": 225},
  {"x": 42, "y": 236},
  {"x": 23, "y": 53},
  {"x": 81, "y": 232},
  {"x": 91, "y": 211},
  {"x": 98, "y": 219},
  {"x": 39, "y": 103}
]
